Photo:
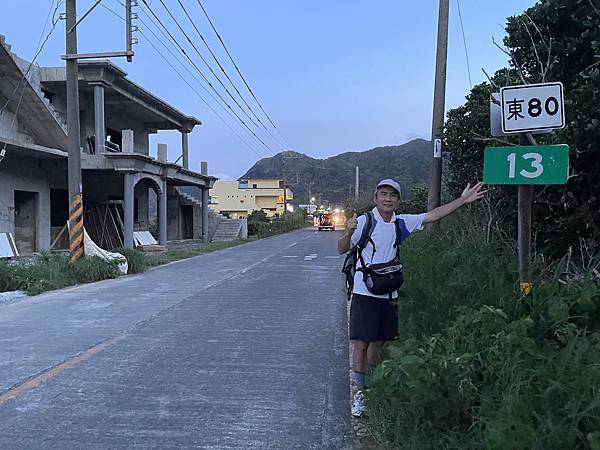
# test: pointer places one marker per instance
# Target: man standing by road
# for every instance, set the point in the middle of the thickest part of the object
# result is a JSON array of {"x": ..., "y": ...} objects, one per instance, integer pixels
[{"x": 374, "y": 318}]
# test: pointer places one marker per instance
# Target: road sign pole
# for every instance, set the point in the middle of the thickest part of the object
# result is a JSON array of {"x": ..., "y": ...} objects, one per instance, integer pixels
[{"x": 524, "y": 227}]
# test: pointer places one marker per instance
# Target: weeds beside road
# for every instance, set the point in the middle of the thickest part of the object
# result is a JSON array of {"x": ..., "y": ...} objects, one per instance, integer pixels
[
  {"x": 478, "y": 366},
  {"x": 52, "y": 271}
]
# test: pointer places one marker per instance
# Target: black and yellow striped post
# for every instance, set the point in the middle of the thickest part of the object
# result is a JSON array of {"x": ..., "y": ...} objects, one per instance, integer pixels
[{"x": 76, "y": 227}]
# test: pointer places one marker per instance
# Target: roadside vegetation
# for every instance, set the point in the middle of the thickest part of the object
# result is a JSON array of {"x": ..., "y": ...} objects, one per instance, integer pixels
[
  {"x": 478, "y": 366},
  {"x": 52, "y": 271},
  {"x": 261, "y": 226}
]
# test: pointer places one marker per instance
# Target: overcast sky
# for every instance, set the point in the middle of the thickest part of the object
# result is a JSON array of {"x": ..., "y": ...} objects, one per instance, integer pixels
[{"x": 333, "y": 75}]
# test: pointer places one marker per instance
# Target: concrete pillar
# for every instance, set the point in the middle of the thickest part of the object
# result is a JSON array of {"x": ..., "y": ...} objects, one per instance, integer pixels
[
  {"x": 161, "y": 152},
  {"x": 204, "y": 168},
  {"x": 128, "y": 205},
  {"x": 162, "y": 215},
  {"x": 127, "y": 141},
  {"x": 205, "y": 214},
  {"x": 100, "y": 128},
  {"x": 185, "y": 149}
]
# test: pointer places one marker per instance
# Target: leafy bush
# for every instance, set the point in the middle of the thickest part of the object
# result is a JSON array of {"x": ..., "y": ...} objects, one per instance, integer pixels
[
  {"x": 570, "y": 29},
  {"x": 265, "y": 229},
  {"x": 7, "y": 277},
  {"x": 479, "y": 367},
  {"x": 258, "y": 216},
  {"x": 136, "y": 260}
]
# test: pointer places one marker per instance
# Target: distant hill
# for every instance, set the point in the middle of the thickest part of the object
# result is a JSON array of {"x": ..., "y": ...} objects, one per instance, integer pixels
[{"x": 333, "y": 178}]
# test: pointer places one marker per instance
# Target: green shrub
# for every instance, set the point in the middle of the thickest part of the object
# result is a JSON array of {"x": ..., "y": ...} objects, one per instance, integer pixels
[
  {"x": 7, "y": 277},
  {"x": 479, "y": 367},
  {"x": 265, "y": 229},
  {"x": 92, "y": 268},
  {"x": 136, "y": 260}
]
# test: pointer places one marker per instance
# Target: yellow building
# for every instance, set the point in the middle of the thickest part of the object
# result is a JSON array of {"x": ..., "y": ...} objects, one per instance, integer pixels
[{"x": 238, "y": 199}]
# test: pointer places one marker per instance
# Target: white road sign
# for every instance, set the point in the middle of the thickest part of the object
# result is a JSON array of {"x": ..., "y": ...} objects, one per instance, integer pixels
[{"x": 532, "y": 107}]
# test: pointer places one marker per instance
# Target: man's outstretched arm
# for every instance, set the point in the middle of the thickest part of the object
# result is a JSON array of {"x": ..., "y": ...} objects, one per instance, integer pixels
[{"x": 469, "y": 195}]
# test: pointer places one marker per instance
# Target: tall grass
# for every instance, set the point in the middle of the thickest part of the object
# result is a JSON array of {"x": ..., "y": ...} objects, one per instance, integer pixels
[
  {"x": 479, "y": 367},
  {"x": 54, "y": 271}
]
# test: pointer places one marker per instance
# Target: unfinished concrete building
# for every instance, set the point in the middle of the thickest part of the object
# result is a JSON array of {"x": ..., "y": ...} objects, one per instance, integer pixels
[{"x": 119, "y": 175}]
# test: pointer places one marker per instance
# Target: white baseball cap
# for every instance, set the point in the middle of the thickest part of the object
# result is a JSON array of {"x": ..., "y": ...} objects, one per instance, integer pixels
[{"x": 390, "y": 183}]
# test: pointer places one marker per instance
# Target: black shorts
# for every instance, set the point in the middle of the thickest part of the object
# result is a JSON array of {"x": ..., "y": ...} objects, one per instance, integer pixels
[{"x": 373, "y": 319}]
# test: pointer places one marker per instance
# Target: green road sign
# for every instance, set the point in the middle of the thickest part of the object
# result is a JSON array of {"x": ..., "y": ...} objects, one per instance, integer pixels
[{"x": 543, "y": 164}]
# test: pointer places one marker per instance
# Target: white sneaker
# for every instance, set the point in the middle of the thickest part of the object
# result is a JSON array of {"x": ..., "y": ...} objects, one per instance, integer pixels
[{"x": 358, "y": 405}]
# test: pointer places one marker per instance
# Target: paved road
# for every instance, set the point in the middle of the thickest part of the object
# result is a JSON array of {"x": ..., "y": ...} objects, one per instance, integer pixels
[{"x": 242, "y": 348}]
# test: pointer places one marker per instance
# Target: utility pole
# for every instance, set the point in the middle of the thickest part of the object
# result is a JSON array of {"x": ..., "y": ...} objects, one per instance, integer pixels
[
  {"x": 439, "y": 105},
  {"x": 356, "y": 181},
  {"x": 76, "y": 230},
  {"x": 73, "y": 144},
  {"x": 284, "y": 191}
]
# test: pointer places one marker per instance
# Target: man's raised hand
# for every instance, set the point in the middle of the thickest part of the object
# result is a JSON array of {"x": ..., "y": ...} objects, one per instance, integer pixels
[
  {"x": 351, "y": 225},
  {"x": 471, "y": 194}
]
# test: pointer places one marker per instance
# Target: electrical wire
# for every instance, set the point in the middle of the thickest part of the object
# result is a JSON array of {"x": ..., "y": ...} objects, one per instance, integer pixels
[
  {"x": 22, "y": 82},
  {"x": 224, "y": 72},
  {"x": 239, "y": 71},
  {"x": 204, "y": 77},
  {"x": 465, "y": 43},
  {"x": 180, "y": 27},
  {"x": 147, "y": 38},
  {"x": 175, "y": 45}
]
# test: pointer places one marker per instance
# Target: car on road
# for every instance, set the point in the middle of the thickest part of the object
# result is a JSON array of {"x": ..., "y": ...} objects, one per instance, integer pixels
[{"x": 327, "y": 222}]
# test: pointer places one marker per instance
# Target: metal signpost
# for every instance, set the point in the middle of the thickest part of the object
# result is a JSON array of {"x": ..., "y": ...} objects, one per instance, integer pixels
[{"x": 536, "y": 108}]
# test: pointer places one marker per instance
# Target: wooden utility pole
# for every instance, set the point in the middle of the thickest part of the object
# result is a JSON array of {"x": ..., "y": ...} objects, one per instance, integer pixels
[
  {"x": 525, "y": 204},
  {"x": 284, "y": 191},
  {"x": 439, "y": 105},
  {"x": 71, "y": 57},
  {"x": 73, "y": 144}
]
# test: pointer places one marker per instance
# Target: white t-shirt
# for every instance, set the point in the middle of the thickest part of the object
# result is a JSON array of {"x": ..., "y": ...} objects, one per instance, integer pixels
[{"x": 384, "y": 237}]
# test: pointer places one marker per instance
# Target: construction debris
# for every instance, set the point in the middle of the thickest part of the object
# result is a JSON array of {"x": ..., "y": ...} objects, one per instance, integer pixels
[{"x": 8, "y": 248}]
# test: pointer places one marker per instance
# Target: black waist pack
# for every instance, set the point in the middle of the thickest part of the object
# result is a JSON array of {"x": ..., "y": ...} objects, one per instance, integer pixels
[{"x": 384, "y": 278}]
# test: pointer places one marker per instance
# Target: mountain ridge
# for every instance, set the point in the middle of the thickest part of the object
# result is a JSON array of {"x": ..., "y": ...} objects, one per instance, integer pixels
[{"x": 332, "y": 179}]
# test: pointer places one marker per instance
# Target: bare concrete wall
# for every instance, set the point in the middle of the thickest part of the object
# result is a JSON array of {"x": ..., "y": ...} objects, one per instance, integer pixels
[{"x": 29, "y": 175}]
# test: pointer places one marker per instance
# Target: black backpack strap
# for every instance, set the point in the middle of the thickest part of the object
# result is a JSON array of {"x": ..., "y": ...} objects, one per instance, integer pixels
[
  {"x": 367, "y": 230},
  {"x": 365, "y": 238}
]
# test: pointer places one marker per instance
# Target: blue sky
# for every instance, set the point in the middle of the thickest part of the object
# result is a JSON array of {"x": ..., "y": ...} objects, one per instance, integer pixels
[{"x": 333, "y": 75}]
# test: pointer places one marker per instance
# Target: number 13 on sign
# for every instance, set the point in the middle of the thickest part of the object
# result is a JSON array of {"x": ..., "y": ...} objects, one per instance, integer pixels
[
  {"x": 536, "y": 164},
  {"x": 547, "y": 164}
]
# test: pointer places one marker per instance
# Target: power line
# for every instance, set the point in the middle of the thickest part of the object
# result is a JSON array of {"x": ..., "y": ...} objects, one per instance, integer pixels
[
  {"x": 181, "y": 76},
  {"x": 464, "y": 42},
  {"x": 177, "y": 47},
  {"x": 203, "y": 76},
  {"x": 238, "y": 70},
  {"x": 205, "y": 62},
  {"x": 225, "y": 73},
  {"x": 40, "y": 46}
]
